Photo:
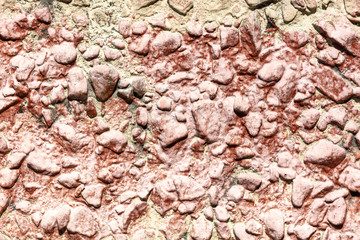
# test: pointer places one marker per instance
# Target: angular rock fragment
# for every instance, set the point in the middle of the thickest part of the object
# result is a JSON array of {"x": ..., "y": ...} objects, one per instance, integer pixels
[
  {"x": 39, "y": 162},
  {"x": 114, "y": 140},
  {"x": 135, "y": 210},
  {"x": 254, "y": 227},
  {"x": 272, "y": 71},
  {"x": 250, "y": 181},
  {"x": 171, "y": 131},
  {"x": 103, "y": 79},
  {"x": 8, "y": 177},
  {"x": 223, "y": 71},
  {"x": 187, "y": 188},
  {"x": 165, "y": 43},
  {"x": 181, "y": 6},
  {"x": 318, "y": 210},
  {"x": 4, "y": 202},
  {"x": 229, "y": 37},
  {"x": 304, "y": 232},
  {"x": 250, "y": 35},
  {"x": 82, "y": 222},
  {"x": 258, "y": 3},
  {"x": 350, "y": 178},
  {"x": 337, "y": 212},
  {"x": 141, "y": 45},
  {"x": 92, "y": 194},
  {"x": 325, "y": 153},
  {"x": 301, "y": 189},
  {"x": 253, "y": 122},
  {"x": 201, "y": 229},
  {"x": 16, "y": 159}
]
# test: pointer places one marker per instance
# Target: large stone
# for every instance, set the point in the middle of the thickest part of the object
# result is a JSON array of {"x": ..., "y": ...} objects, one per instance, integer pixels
[
  {"x": 78, "y": 87},
  {"x": 171, "y": 131},
  {"x": 325, "y": 153},
  {"x": 332, "y": 85},
  {"x": 181, "y": 6},
  {"x": 103, "y": 79},
  {"x": 340, "y": 33},
  {"x": 337, "y": 212},
  {"x": 201, "y": 229},
  {"x": 250, "y": 181},
  {"x": 350, "y": 178},
  {"x": 272, "y": 71},
  {"x": 274, "y": 224},
  {"x": 39, "y": 162},
  {"x": 114, "y": 140},
  {"x": 92, "y": 194},
  {"x": 82, "y": 222},
  {"x": 229, "y": 37},
  {"x": 64, "y": 53},
  {"x": 165, "y": 43},
  {"x": 250, "y": 34},
  {"x": 301, "y": 189}
]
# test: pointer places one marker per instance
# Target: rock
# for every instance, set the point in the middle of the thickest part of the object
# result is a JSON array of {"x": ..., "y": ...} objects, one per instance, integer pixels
[
  {"x": 304, "y": 232},
  {"x": 223, "y": 230},
  {"x": 127, "y": 94},
  {"x": 296, "y": 39},
  {"x": 82, "y": 222},
  {"x": 8, "y": 177},
  {"x": 253, "y": 122},
  {"x": 321, "y": 188},
  {"x": 336, "y": 115},
  {"x": 63, "y": 217},
  {"x": 92, "y": 194},
  {"x": 64, "y": 53},
  {"x": 340, "y": 33},
  {"x": 188, "y": 207},
  {"x": 325, "y": 153},
  {"x": 135, "y": 210},
  {"x": 4, "y": 202},
  {"x": 139, "y": 28},
  {"x": 241, "y": 105},
  {"x": 330, "y": 56},
  {"x": 48, "y": 221},
  {"x": 274, "y": 224},
  {"x": 3, "y": 146},
  {"x": 111, "y": 54},
  {"x": 187, "y": 188},
  {"x": 91, "y": 53},
  {"x": 301, "y": 189},
  {"x": 124, "y": 25},
  {"x": 240, "y": 232},
  {"x": 43, "y": 15},
  {"x": 171, "y": 131},
  {"x": 337, "y": 212},
  {"x": 105, "y": 176},
  {"x": 235, "y": 193},
  {"x": 139, "y": 86},
  {"x": 103, "y": 78},
  {"x": 332, "y": 85},
  {"x": 208, "y": 87},
  {"x": 318, "y": 210},
  {"x": 24, "y": 67},
  {"x": 114, "y": 140},
  {"x": 16, "y": 159},
  {"x": 201, "y": 229},
  {"x": 288, "y": 11},
  {"x": 234, "y": 137},
  {"x": 272, "y": 72},
  {"x": 57, "y": 95},
  {"x": 69, "y": 180},
  {"x": 287, "y": 174},
  {"x": 229, "y": 37},
  {"x": 258, "y": 3},
  {"x": 142, "y": 116},
  {"x": 78, "y": 87},
  {"x": 242, "y": 153},
  {"x": 165, "y": 43},
  {"x": 350, "y": 178},
  {"x": 194, "y": 29},
  {"x": 309, "y": 118},
  {"x": 100, "y": 126},
  {"x": 250, "y": 181},
  {"x": 10, "y": 30},
  {"x": 164, "y": 195},
  {"x": 222, "y": 214},
  {"x": 141, "y": 4},
  {"x": 40, "y": 163},
  {"x": 340, "y": 193},
  {"x": 250, "y": 35},
  {"x": 182, "y": 7},
  {"x": 118, "y": 43},
  {"x": 164, "y": 103},
  {"x": 141, "y": 45},
  {"x": 223, "y": 71},
  {"x": 254, "y": 227}
]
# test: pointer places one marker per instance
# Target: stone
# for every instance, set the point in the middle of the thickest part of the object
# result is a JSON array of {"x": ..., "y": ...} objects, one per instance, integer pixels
[
  {"x": 103, "y": 78},
  {"x": 240, "y": 232},
  {"x": 250, "y": 181},
  {"x": 288, "y": 11},
  {"x": 243, "y": 152},
  {"x": 165, "y": 43},
  {"x": 318, "y": 210},
  {"x": 139, "y": 28},
  {"x": 91, "y": 53},
  {"x": 241, "y": 105},
  {"x": 139, "y": 86},
  {"x": 325, "y": 153},
  {"x": 111, "y": 54},
  {"x": 105, "y": 176},
  {"x": 164, "y": 103},
  {"x": 339, "y": 193},
  {"x": 250, "y": 34},
  {"x": 350, "y": 178},
  {"x": 336, "y": 115},
  {"x": 222, "y": 214},
  {"x": 296, "y": 39},
  {"x": 11, "y": 30},
  {"x": 48, "y": 221},
  {"x": 138, "y": 4},
  {"x": 257, "y": 3},
  {"x": 337, "y": 212},
  {"x": 57, "y": 95},
  {"x": 40, "y": 163},
  {"x": 340, "y": 33},
  {"x": 253, "y": 122},
  {"x": 92, "y": 194},
  {"x": 8, "y": 177},
  {"x": 171, "y": 132},
  {"x": 254, "y": 227},
  {"x": 194, "y": 29},
  {"x": 114, "y": 140},
  {"x": 235, "y": 193},
  {"x": 82, "y": 222},
  {"x": 208, "y": 87},
  {"x": 43, "y": 15},
  {"x": 234, "y": 137},
  {"x": 272, "y": 71},
  {"x": 223, "y": 230},
  {"x": 142, "y": 116},
  {"x": 24, "y": 67},
  {"x": 4, "y": 202},
  {"x": 201, "y": 229},
  {"x": 100, "y": 126},
  {"x": 16, "y": 159},
  {"x": 187, "y": 188},
  {"x": 181, "y": 6},
  {"x": 332, "y": 85},
  {"x": 274, "y": 224},
  {"x": 63, "y": 217},
  {"x": 64, "y": 53},
  {"x": 309, "y": 118},
  {"x": 223, "y": 71},
  {"x": 127, "y": 94},
  {"x": 69, "y": 180},
  {"x": 330, "y": 56},
  {"x": 301, "y": 189},
  {"x": 3, "y": 146},
  {"x": 141, "y": 45},
  {"x": 124, "y": 25},
  {"x": 304, "y": 232},
  {"x": 229, "y": 37},
  {"x": 136, "y": 209}
]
